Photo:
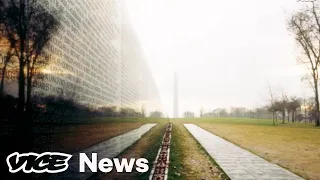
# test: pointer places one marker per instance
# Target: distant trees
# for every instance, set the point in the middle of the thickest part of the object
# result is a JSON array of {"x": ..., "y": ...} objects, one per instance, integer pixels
[
  {"x": 201, "y": 112},
  {"x": 219, "y": 112},
  {"x": 239, "y": 112},
  {"x": 309, "y": 110},
  {"x": 113, "y": 111},
  {"x": 272, "y": 107},
  {"x": 260, "y": 113},
  {"x": 188, "y": 114},
  {"x": 108, "y": 111},
  {"x": 156, "y": 114},
  {"x": 234, "y": 112},
  {"x": 292, "y": 107},
  {"x": 285, "y": 106},
  {"x": 143, "y": 111},
  {"x": 282, "y": 107},
  {"x": 129, "y": 112},
  {"x": 305, "y": 27}
]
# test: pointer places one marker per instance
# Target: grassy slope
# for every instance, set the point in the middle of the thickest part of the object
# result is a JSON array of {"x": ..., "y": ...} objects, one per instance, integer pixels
[
  {"x": 147, "y": 147},
  {"x": 87, "y": 132},
  {"x": 295, "y": 146},
  {"x": 101, "y": 120}
]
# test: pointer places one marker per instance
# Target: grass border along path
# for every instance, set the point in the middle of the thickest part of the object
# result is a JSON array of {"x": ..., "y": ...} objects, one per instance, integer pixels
[
  {"x": 294, "y": 146},
  {"x": 146, "y": 147},
  {"x": 188, "y": 160}
]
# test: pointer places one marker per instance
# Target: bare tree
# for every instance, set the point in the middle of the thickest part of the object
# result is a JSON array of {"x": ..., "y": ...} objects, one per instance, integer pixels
[
  {"x": 222, "y": 112},
  {"x": 283, "y": 104},
  {"x": 143, "y": 111},
  {"x": 292, "y": 107},
  {"x": 201, "y": 112},
  {"x": 29, "y": 27},
  {"x": 6, "y": 60},
  {"x": 305, "y": 26},
  {"x": 272, "y": 107},
  {"x": 310, "y": 109},
  {"x": 9, "y": 43}
]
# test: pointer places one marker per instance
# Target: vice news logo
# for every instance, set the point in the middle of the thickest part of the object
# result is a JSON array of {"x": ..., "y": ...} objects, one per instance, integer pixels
[{"x": 56, "y": 162}]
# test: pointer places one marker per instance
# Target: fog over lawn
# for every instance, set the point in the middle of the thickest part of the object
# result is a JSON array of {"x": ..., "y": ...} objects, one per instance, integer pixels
[{"x": 225, "y": 52}]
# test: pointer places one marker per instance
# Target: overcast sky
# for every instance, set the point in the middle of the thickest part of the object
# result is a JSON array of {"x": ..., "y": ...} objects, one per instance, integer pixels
[{"x": 225, "y": 52}]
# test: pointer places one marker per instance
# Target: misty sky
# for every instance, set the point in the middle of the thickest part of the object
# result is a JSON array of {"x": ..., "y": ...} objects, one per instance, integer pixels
[{"x": 225, "y": 52}]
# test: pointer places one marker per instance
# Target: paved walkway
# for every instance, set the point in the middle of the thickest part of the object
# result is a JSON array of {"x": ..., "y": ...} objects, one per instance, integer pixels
[
  {"x": 106, "y": 149},
  {"x": 236, "y": 162}
]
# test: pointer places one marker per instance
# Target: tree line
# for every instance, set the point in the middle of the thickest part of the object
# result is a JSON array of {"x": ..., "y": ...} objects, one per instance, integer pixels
[
  {"x": 284, "y": 108},
  {"x": 304, "y": 26}
]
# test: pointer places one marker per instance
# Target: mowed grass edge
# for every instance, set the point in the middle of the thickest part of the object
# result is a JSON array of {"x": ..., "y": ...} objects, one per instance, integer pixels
[
  {"x": 188, "y": 160},
  {"x": 293, "y": 146}
]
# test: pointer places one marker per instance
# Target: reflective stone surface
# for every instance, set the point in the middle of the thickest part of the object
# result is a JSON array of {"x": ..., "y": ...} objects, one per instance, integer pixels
[{"x": 106, "y": 149}]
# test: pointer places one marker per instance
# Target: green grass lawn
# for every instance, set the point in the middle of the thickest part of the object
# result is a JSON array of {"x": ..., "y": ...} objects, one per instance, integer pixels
[
  {"x": 295, "y": 146},
  {"x": 248, "y": 121}
]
